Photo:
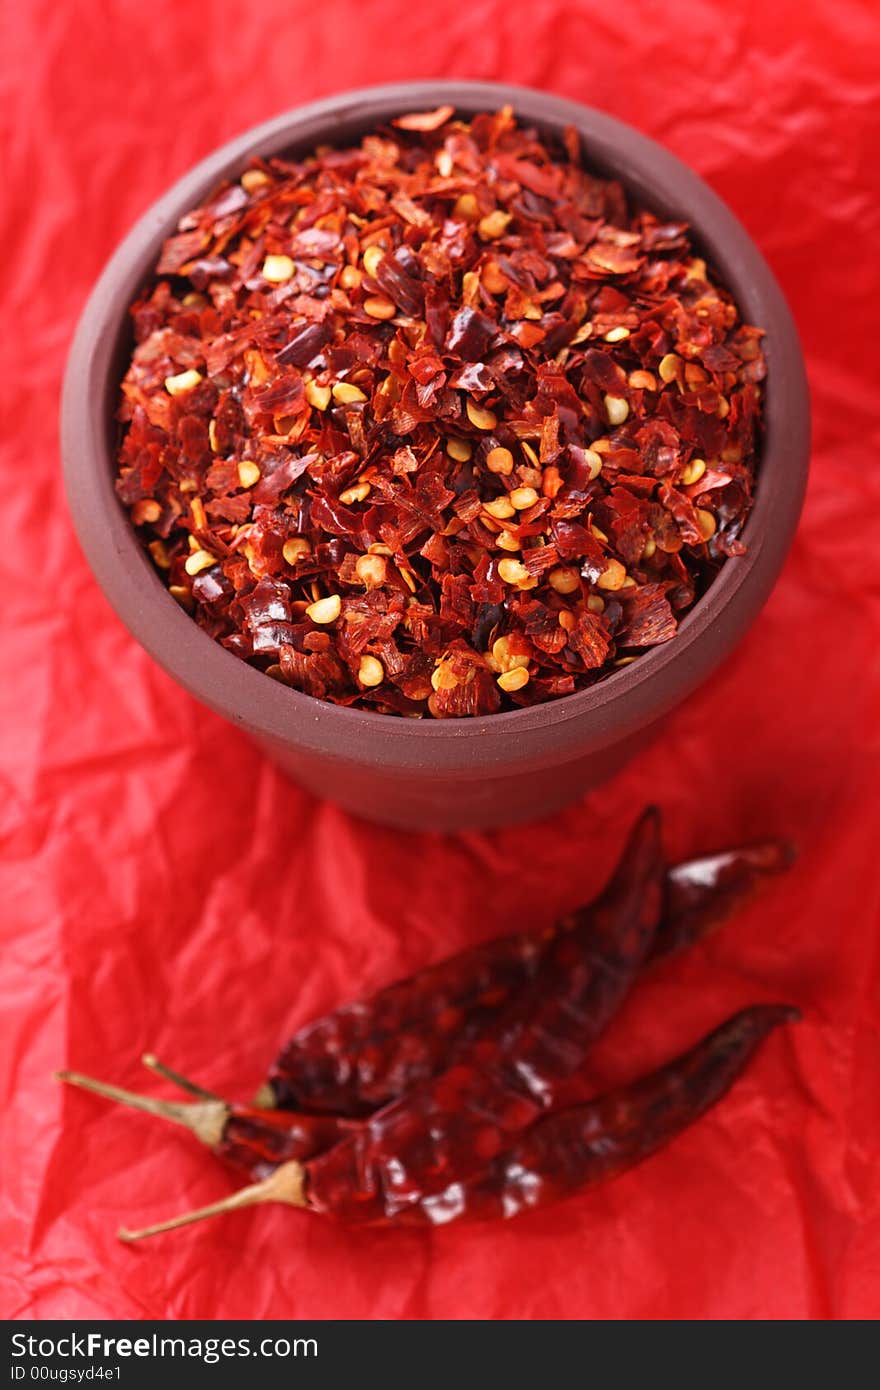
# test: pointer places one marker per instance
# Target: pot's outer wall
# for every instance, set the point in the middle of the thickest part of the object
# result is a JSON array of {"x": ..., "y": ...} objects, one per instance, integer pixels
[
  {"x": 400, "y": 799},
  {"x": 441, "y": 774}
]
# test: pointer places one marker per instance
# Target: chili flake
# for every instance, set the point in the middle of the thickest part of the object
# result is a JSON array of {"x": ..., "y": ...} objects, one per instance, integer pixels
[{"x": 391, "y": 406}]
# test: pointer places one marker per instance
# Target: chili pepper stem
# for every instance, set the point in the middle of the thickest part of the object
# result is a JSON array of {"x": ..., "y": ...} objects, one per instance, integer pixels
[
  {"x": 265, "y": 1098},
  {"x": 285, "y": 1185},
  {"x": 152, "y": 1063},
  {"x": 205, "y": 1119}
]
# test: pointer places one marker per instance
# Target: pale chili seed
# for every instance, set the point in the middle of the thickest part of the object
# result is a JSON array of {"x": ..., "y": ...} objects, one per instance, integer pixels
[
  {"x": 522, "y": 498},
  {"x": 160, "y": 555},
  {"x": 613, "y": 576},
  {"x": 371, "y": 671},
  {"x": 499, "y": 460},
  {"x": 278, "y": 269},
  {"x": 512, "y": 571},
  {"x": 466, "y": 207},
  {"x": 617, "y": 409},
  {"x": 325, "y": 610},
  {"x": 296, "y": 549},
  {"x": 443, "y": 677},
  {"x": 199, "y": 560},
  {"x": 378, "y": 307},
  {"x": 500, "y": 507},
  {"x": 693, "y": 472},
  {"x": 248, "y": 473},
  {"x": 252, "y": 180},
  {"x": 145, "y": 512},
  {"x": 372, "y": 570},
  {"x": 459, "y": 449},
  {"x": 480, "y": 418},
  {"x": 359, "y": 492},
  {"x": 181, "y": 383},
  {"x": 564, "y": 579},
  {"x": 493, "y": 278},
  {"x": 642, "y": 381},
  {"x": 373, "y": 257},
  {"x": 504, "y": 658},
  {"x": 594, "y": 462},
  {"x": 346, "y": 393},
  {"x": 318, "y": 396},
  {"x": 514, "y": 680},
  {"x": 494, "y": 225}
]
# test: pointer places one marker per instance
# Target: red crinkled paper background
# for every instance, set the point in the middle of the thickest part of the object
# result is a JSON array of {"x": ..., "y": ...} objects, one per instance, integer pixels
[{"x": 163, "y": 887}]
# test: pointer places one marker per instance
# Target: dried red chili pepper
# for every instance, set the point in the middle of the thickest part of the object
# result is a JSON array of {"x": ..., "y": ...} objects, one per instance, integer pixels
[
  {"x": 559, "y": 1155},
  {"x": 351, "y": 1061},
  {"x": 461, "y": 1118},
  {"x": 437, "y": 425},
  {"x": 364, "y": 1055},
  {"x": 573, "y": 1149},
  {"x": 252, "y": 1139}
]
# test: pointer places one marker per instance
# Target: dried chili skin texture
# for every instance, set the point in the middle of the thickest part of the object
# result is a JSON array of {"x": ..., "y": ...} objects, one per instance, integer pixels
[
  {"x": 573, "y": 1148},
  {"x": 365, "y": 1055},
  {"x": 576, "y": 1148},
  {"x": 455, "y": 1123},
  {"x": 439, "y": 425}
]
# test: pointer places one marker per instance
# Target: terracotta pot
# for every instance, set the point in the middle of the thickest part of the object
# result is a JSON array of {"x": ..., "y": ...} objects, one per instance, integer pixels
[{"x": 442, "y": 774}]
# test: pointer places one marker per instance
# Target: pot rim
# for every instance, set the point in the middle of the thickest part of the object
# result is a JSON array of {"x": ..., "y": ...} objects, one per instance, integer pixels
[{"x": 620, "y": 703}]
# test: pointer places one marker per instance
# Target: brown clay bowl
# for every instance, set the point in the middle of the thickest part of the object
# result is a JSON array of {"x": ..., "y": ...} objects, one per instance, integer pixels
[{"x": 441, "y": 774}]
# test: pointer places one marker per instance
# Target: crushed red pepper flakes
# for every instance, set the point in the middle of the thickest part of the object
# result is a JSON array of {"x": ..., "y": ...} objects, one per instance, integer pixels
[{"x": 390, "y": 405}]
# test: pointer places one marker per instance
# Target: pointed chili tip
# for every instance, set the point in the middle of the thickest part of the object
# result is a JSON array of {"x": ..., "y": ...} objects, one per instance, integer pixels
[
  {"x": 787, "y": 1013},
  {"x": 772, "y": 855},
  {"x": 780, "y": 1013},
  {"x": 764, "y": 1017},
  {"x": 644, "y": 835},
  {"x": 651, "y": 816},
  {"x": 649, "y": 828}
]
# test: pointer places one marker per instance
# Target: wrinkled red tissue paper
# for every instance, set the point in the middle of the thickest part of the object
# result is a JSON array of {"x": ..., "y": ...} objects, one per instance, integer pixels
[{"x": 163, "y": 887}]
